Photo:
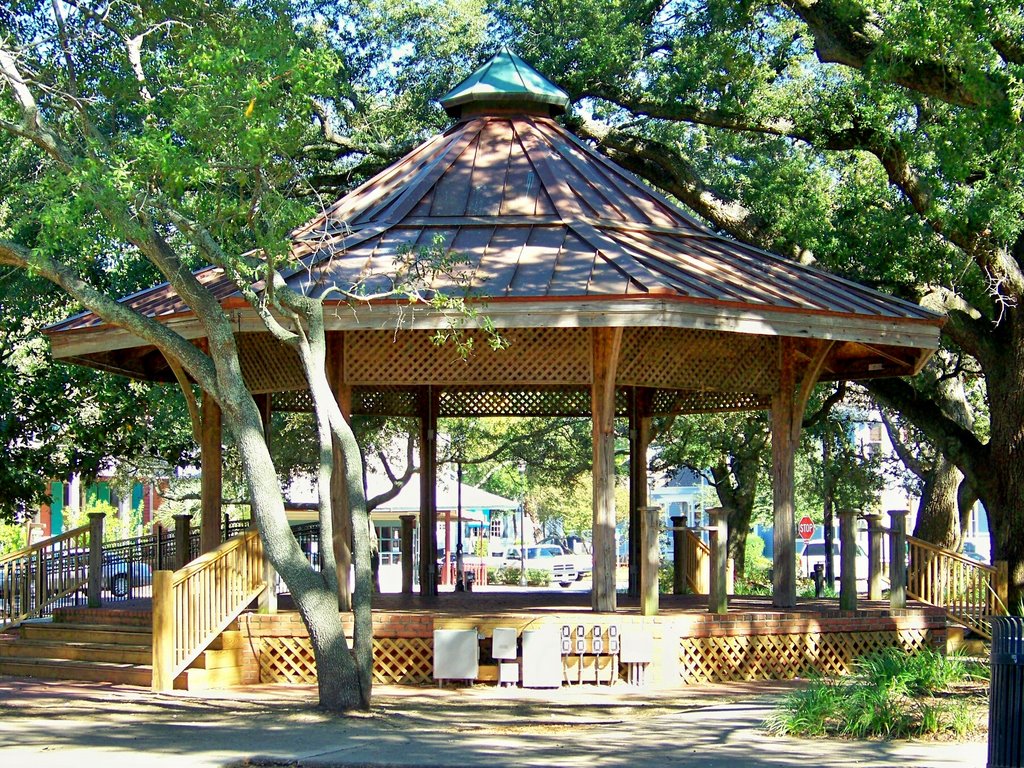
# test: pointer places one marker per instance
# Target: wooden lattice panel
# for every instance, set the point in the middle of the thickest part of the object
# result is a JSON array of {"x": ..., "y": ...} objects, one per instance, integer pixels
[
  {"x": 286, "y": 660},
  {"x": 268, "y": 365},
  {"x": 534, "y": 356},
  {"x": 385, "y": 401},
  {"x": 516, "y": 402},
  {"x": 779, "y": 657},
  {"x": 295, "y": 401},
  {"x": 404, "y": 660},
  {"x": 395, "y": 660},
  {"x": 668, "y": 401},
  {"x": 681, "y": 358}
]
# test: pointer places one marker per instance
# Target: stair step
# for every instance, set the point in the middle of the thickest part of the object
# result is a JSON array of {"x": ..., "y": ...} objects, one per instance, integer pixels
[
  {"x": 100, "y": 672},
  {"x": 229, "y": 639},
  {"x": 194, "y": 679},
  {"x": 113, "y": 653},
  {"x": 105, "y": 616},
  {"x": 88, "y": 633},
  {"x": 219, "y": 659}
]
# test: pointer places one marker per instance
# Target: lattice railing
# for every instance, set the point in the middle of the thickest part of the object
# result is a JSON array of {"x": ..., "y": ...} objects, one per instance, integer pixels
[
  {"x": 396, "y": 660},
  {"x": 774, "y": 657},
  {"x": 34, "y": 579},
  {"x": 192, "y": 606},
  {"x": 970, "y": 592},
  {"x": 696, "y": 563}
]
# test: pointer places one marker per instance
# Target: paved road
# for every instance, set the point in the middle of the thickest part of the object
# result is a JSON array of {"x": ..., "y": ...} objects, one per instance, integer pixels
[{"x": 80, "y": 725}]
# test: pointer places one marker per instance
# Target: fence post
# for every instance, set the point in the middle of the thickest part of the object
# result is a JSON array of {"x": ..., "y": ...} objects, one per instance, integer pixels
[
  {"x": 847, "y": 559},
  {"x": 678, "y": 546},
  {"x": 874, "y": 521},
  {"x": 163, "y": 631},
  {"x": 649, "y": 519},
  {"x": 95, "y": 558},
  {"x": 898, "y": 559},
  {"x": 718, "y": 600},
  {"x": 182, "y": 532},
  {"x": 158, "y": 550}
]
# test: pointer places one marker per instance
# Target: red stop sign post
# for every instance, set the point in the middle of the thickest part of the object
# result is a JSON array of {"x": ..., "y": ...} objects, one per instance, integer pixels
[{"x": 806, "y": 528}]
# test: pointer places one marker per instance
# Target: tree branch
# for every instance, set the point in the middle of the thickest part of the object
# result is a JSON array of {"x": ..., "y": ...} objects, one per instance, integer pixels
[
  {"x": 112, "y": 311},
  {"x": 955, "y": 442},
  {"x": 846, "y": 32}
]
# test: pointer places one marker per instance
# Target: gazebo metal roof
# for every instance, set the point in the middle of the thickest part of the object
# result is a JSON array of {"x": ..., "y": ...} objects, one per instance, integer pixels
[{"x": 557, "y": 239}]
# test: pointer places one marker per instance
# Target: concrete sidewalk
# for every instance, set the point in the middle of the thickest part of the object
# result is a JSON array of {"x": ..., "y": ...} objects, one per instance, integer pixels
[{"x": 44, "y": 724}]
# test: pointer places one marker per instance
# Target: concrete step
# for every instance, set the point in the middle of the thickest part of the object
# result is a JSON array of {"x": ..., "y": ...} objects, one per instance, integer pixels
[
  {"x": 112, "y": 653},
  {"x": 87, "y": 633},
  {"x": 100, "y": 672}
]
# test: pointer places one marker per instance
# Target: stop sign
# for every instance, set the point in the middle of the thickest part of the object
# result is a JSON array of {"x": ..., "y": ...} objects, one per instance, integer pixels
[{"x": 806, "y": 528}]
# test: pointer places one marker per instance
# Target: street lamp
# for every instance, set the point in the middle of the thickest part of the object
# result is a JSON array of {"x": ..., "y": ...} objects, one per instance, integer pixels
[{"x": 522, "y": 527}]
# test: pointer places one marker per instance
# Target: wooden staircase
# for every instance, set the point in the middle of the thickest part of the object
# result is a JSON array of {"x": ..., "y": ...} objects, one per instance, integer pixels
[{"x": 113, "y": 646}]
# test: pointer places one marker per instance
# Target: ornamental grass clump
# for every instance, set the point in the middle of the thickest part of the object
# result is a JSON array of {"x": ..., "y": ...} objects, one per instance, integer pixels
[{"x": 890, "y": 694}]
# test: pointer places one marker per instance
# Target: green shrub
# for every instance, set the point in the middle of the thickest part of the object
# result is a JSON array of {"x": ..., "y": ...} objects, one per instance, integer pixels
[
  {"x": 881, "y": 698},
  {"x": 508, "y": 575}
]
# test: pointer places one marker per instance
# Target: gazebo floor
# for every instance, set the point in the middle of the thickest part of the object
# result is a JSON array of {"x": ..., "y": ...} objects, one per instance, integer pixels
[{"x": 685, "y": 643}]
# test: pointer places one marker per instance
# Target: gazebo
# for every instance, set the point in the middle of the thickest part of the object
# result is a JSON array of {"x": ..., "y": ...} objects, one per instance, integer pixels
[{"x": 613, "y": 301}]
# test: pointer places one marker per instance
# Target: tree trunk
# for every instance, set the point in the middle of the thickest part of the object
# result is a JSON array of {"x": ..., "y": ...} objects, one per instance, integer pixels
[
  {"x": 938, "y": 515},
  {"x": 1001, "y": 488},
  {"x": 735, "y": 491},
  {"x": 314, "y": 599}
]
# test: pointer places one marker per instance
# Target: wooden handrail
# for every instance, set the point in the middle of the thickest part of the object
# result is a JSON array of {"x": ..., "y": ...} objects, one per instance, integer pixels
[
  {"x": 33, "y": 578},
  {"x": 968, "y": 591},
  {"x": 696, "y": 562},
  {"x": 193, "y": 605}
]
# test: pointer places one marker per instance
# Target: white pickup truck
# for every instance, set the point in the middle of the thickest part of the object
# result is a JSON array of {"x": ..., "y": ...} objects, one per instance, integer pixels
[{"x": 546, "y": 557}]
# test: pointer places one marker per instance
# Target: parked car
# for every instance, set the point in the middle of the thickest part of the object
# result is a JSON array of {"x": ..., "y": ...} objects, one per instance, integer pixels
[
  {"x": 120, "y": 577},
  {"x": 579, "y": 550},
  {"x": 813, "y": 553},
  {"x": 546, "y": 557}
]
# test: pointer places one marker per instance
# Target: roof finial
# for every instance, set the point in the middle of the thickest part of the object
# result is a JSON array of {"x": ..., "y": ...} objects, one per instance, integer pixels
[{"x": 505, "y": 83}]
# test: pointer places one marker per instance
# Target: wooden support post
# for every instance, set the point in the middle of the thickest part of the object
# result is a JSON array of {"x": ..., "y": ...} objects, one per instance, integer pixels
[
  {"x": 718, "y": 543},
  {"x": 678, "y": 555},
  {"x": 95, "y": 559},
  {"x": 847, "y": 559},
  {"x": 875, "y": 531},
  {"x": 446, "y": 565},
  {"x": 163, "y": 631},
  {"x": 897, "y": 559},
  {"x": 182, "y": 543},
  {"x": 650, "y": 524},
  {"x": 606, "y": 345},
  {"x": 428, "y": 492},
  {"x": 341, "y": 510},
  {"x": 639, "y": 440},
  {"x": 783, "y": 488},
  {"x": 408, "y": 522},
  {"x": 788, "y": 404},
  {"x": 212, "y": 475}
]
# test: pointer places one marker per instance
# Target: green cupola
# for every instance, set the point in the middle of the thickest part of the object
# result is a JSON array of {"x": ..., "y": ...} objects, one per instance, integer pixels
[{"x": 505, "y": 84}]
